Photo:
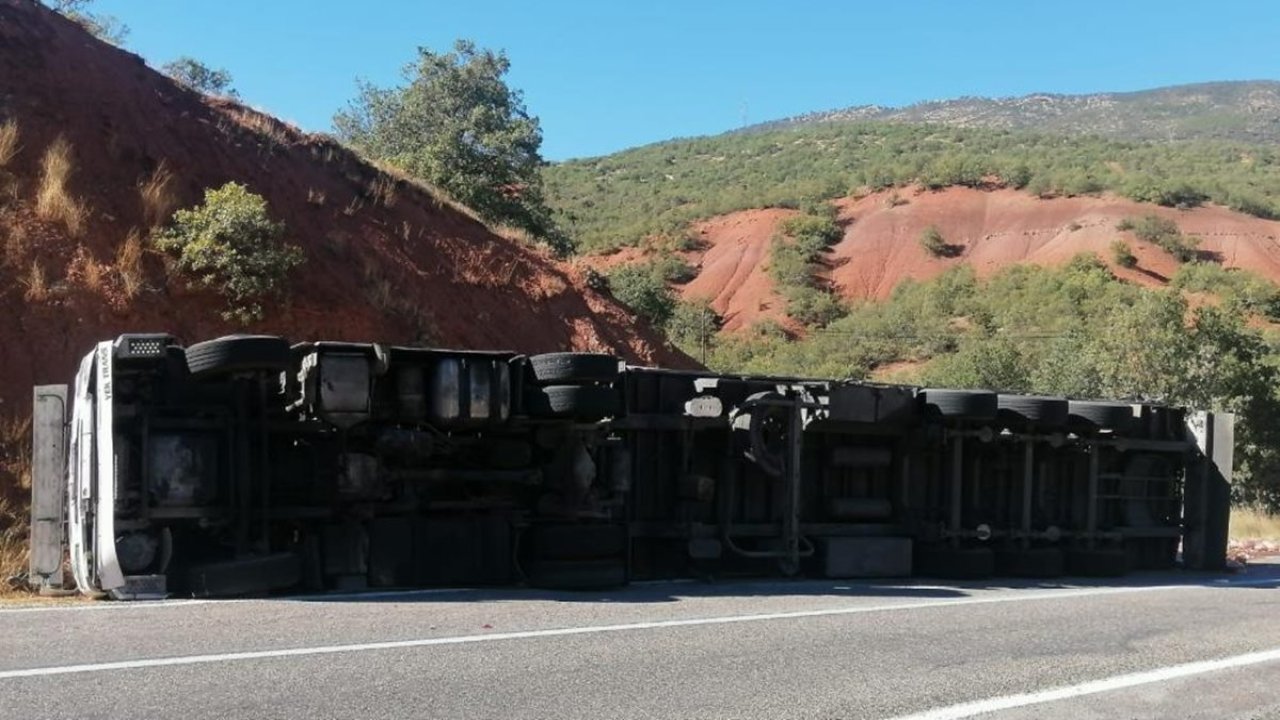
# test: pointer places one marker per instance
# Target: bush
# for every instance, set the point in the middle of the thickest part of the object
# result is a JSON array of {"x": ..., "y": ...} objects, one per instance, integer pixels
[
  {"x": 813, "y": 233},
  {"x": 1236, "y": 286},
  {"x": 789, "y": 264},
  {"x": 642, "y": 288},
  {"x": 673, "y": 269},
  {"x": 231, "y": 244},
  {"x": 932, "y": 241},
  {"x": 693, "y": 325},
  {"x": 1152, "y": 228},
  {"x": 200, "y": 77},
  {"x": 1163, "y": 233},
  {"x": 812, "y": 306},
  {"x": 1123, "y": 256}
]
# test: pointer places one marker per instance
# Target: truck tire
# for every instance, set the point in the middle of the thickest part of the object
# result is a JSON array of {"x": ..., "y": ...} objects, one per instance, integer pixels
[
  {"x": 961, "y": 404},
  {"x": 1041, "y": 562},
  {"x": 577, "y": 574},
  {"x": 1038, "y": 410},
  {"x": 577, "y": 542},
  {"x": 762, "y": 433},
  {"x": 578, "y": 402},
  {"x": 946, "y": 563},
  {"x": 238, "y": 353},
  {"x": 573, "y": 368},
  {"x": 1090, "y": 415}
]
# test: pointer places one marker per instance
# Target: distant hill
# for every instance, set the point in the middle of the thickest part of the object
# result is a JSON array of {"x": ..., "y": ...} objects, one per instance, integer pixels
[
  {"x": 1247, "y": 111},
  {"x": 618, "y": 200}
]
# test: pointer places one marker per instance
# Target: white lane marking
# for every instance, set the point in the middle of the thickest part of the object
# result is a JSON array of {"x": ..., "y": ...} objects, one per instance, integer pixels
[
  {"x": 587, "y": 630},
  {"x": 177, "y": 603},
  {"x": 105, "y": 605},
  {"x": 1118, "y": 682}
]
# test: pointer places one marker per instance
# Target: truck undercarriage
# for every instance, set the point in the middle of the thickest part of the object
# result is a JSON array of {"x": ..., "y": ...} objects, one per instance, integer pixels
[{"x": 246, "y": 465}]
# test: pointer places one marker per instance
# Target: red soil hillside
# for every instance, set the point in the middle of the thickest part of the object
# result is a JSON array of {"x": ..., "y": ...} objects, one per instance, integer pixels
[
  {"x": 386, "y": 259},
  {"x": 995, "y": 229},
  {"x": 732, "y": 270},
  {"x": 989, "y": 229}
]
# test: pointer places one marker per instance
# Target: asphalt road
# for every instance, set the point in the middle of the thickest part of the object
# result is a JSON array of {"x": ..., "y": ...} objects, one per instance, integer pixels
[{"x": 1169, "y": 645}]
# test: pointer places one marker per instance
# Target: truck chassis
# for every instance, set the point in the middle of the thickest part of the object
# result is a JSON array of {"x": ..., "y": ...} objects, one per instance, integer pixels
[{"x": 246, "y": 465}]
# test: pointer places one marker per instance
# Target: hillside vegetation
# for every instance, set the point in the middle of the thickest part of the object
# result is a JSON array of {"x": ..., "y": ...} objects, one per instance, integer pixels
[
  {"x": 1242, "y": 110},
  {"x": 615, "y": 201},
  {"x": 1076, "y": 330}
]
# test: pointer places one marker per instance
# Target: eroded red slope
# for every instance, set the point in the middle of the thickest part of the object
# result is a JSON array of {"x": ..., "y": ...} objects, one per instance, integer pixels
[
  {"x": 989, "y": 229},
  {"x": 994, "y": 229},
  {"x": 386, "y": 260}
]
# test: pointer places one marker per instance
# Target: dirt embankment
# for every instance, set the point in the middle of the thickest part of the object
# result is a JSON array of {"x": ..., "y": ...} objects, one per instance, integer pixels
[
  {"x": 387, "y": 260},
  {"x": 991, "y": 230},
  {"x": 986, "y": 229}
]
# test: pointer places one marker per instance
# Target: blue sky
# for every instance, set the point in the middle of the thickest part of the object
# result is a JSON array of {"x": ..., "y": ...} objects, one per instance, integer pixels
[{"x": 605, "y": 75}]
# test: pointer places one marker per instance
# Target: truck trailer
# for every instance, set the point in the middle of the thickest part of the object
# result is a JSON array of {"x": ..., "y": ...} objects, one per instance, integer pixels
[{"x": 247, "y": 465}]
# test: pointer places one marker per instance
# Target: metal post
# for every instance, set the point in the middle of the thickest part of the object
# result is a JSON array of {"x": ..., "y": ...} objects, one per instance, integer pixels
[
  {"x": 905, "y": 486},
  {"x": 1028, "y": 476},
  {"x": 264, "y": 464},
  {"x": 242, "y": 479},
  {"x": 1091, "y": 509},
  {"x": 791, "y": 518},
  {"x": 957, "y": 468}
]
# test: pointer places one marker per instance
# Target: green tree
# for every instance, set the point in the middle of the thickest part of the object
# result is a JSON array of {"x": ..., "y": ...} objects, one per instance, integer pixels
[
  {"x": 103, "y": 27},
  {"x": 693, "y": 325},
  {"x": 994, "y": 363},
  {"x": 200, "y": 77},
  {"x": 231, "y": 244},
  {"x": 458, "y": 125},
  {"x": 642, "y": 288}
]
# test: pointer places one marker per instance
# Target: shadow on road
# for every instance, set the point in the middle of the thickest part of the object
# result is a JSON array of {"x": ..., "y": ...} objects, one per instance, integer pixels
[{"x": 671, "y": 591}]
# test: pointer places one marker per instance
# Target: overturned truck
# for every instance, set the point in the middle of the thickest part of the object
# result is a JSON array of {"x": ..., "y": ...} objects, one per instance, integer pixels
[{"x": 246, "y": 465}]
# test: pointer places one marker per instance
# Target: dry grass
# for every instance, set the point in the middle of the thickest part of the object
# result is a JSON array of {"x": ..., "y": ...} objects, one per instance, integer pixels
[
  {"x": 159, "y": 196},
  {"x": 8, "y": 141},
  {"x": 14, "y": 547},
  {"x": 1247, "y": 523},
  {"x": 383, "y": 190},
  {"x": 53, "y": 201},
  {"x": 37, "y": 286},
  {"x": 272, "y": 130},
  {"x": 129, "y": 264},
  {"x": 515, "y": 234},
  {"x": 384, "y": 294},
  {"x": 315, "y": 197},
  {"x": 86, "y": 269},
  {"x": 355, "y": 206},
  {"x": 15, "y": 485},
  {"x": 441, "y": 198}
]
